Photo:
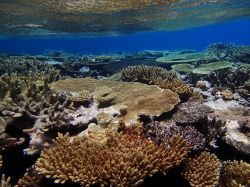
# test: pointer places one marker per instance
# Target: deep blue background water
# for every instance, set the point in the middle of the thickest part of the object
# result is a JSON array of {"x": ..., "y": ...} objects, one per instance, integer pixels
[{"x": 236, "y": 31}]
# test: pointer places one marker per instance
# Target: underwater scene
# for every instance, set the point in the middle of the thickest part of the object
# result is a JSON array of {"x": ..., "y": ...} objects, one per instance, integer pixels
[{"x": 149, "y": 93}]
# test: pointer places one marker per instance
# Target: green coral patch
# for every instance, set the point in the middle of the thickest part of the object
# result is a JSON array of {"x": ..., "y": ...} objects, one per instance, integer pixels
[
  {"x": 183, "y": 68},
  {"x": 179, "y": 58},
  {"x": 206, "y": 69}
]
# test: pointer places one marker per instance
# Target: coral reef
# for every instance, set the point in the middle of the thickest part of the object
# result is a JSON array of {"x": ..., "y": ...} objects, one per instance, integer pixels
[
  {"x": 119, "y": 133},
  {"x": 203, "y": 170},
  {"x": 235, "y": 173},
  {"x": 125, "y": 160}
]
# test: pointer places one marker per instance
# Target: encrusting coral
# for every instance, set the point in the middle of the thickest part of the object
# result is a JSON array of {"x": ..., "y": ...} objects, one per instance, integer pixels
[
  {"x": 203, "y": 170},
  {"x": 235, "y": 173},
  {"x": 126, "y": 159}
]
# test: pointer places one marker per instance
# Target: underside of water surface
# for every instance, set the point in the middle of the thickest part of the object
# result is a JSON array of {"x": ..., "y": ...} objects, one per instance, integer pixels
[{"x": 98, "y": 17}]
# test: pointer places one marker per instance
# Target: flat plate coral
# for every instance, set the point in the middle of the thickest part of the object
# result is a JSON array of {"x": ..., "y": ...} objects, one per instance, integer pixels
[
  {"x": 138, "y": 98},
  {"x": 46, "y": 17}
]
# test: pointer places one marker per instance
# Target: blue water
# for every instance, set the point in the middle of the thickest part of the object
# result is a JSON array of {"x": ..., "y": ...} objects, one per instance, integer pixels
[{"x": 236, "y": 31}]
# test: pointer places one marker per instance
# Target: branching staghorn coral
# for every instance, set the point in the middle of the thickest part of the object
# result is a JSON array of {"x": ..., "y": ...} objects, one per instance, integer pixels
[
  {"x": 235, "y": 173},
  {"x": 124, "y": 160},
  {"x": 146, "y": 74},
  {"x": 203, "y": 170}
]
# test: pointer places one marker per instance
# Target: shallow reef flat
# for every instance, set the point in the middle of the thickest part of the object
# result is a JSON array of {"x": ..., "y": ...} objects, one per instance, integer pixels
[
  {"x": 151, "y": 118},
  {"x": 98, "y": 17}
]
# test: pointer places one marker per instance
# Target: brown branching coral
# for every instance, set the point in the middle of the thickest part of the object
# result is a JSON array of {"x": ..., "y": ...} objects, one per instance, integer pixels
[
  {"x": 125, "y": 160},
  {"x": 203, "y": 170},
  {"x": 235, "y": 174},
  {"x": 146, "y": 74},
  {"x": 30, "y": 178}
]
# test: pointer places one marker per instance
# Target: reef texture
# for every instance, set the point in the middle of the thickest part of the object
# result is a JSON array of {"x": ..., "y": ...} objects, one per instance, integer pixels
[
  {"x": 203, "y": 170},
  {"x": 125, "y": 160}
]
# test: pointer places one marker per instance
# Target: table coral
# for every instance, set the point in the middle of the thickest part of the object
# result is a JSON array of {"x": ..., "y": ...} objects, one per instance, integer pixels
[
  {"x": 139, "y": 98},
  {"x": 125, "y": 160},
  {"x": 203, "y": 170}
]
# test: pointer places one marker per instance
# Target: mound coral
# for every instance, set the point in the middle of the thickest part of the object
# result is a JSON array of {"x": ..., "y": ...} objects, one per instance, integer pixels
[
  {"x": 125, "y": 159},
  {"x": 146, "y": 74},
  {"x": 203, "y": 170},
  {"x": 235, "y": 174}
]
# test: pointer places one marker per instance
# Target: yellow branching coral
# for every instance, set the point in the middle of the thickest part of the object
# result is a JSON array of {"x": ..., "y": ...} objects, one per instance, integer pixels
[
  {"x": 178, "y": 86},
  {"x": 236, "y": 174},
  {"x": 5, "y": 182},
  {"x": 203, "y": 170},
  {"x": 125, "y": 159}
]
